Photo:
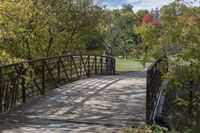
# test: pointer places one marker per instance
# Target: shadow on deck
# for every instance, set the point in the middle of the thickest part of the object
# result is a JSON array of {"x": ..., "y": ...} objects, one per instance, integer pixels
[{"x": 93, "y": 105}]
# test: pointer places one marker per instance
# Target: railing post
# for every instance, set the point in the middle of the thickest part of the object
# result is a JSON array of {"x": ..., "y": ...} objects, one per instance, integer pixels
[
  {"x": 114, "y": 66},
  {"x": 1, "y": 85},
  {"x": 148, "y": 99},
  {"x": 110, "y": 66},
  {"x": 88, "y": 66},
  {"x": 21, "y": 73},
  {"x": 1, "y": 73},
  {"x": 23, "y": 90},
  {"x": 95, "y": 64},
  {"x": 43, "y": 76},
  {"x": 106, "y": 63},
  {"x": 58, "y": 80},
  {"x": 190, "y": 101},
  {"x": 81, "y": 65},
  {"x": 70, "y": 66},
  {"x": 101, "y": 62}
]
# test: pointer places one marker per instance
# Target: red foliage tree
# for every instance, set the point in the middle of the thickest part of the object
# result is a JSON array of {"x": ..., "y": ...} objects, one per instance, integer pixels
[{"x": 149, "y": 19}]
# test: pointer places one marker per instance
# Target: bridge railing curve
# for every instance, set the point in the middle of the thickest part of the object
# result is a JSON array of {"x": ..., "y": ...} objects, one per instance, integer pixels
[
  {"x": 21, "y": 82},
  {"x": 154, "y": 80}
]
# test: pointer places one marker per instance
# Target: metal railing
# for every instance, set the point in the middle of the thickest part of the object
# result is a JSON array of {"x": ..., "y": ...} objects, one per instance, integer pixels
[
  {"x": 154, "y": 80},
  {"x": 21, "y": 82}
]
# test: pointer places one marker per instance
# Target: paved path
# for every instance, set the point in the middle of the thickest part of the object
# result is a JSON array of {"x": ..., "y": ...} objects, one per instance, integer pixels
[{"x": 102, "y": 104}]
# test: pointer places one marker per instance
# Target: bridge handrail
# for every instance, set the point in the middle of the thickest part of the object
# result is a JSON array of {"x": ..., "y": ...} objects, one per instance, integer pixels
[
  {"x": 154, "y": 80},
  {"x": 51, "y": 57},
  {"x": 23, "y": 81}
]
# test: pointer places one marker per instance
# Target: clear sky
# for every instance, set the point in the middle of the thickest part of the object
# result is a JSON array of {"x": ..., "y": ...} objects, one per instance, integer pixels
[{"x": 137, "y": 4}]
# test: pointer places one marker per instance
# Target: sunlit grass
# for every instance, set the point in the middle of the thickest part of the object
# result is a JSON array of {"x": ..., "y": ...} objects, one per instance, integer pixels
[{"x": 129, "y": 65}]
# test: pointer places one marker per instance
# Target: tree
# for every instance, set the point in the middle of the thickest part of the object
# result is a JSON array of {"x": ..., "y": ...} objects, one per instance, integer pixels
[
  {"x": 119, "y": 34},
  {"x": 177, "y": 37},
  {"x": 139, "y": 16},
  {"x": 32, "y": 29}
]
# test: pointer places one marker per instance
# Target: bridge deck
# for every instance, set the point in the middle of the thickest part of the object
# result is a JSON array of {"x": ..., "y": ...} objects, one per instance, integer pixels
[{"x": 98, "y": 104}]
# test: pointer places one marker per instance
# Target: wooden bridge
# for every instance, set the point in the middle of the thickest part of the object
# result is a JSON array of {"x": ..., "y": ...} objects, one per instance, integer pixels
[{"x": 74, "y": 93}]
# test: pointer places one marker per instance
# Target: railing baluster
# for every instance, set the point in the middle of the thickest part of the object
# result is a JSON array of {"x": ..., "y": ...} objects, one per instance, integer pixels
[
  {"x": 64, "y": 69},
  {"x": 148, "y": 100},
  {"x": 58, "y": 67},
  {"x": 74, "y": 63},
  {"x": 43, "y": 77},
  {"x": 1, "y": 90},
  {"x": 95, "y": 64},
  {"x": 114, "y": 66},
  {"x": 83, "y": 65},
  {"x": 101, "y": 62},
  {"x": 106, "y": 63},
  {"x": 22, "y": 74},
  {"x": 70, "y": 66},
  {"x": 88, "y": 66}
]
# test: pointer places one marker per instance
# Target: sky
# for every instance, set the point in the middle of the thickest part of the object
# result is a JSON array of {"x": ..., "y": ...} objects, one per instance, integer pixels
[{"x": 137, "y": 4}]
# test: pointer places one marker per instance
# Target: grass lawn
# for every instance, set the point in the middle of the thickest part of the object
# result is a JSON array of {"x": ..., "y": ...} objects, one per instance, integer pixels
[{"x": 123, "y": 66}]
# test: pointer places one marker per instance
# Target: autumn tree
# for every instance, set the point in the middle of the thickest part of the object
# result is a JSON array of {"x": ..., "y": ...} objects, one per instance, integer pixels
[{"x": 177, "y": 37}]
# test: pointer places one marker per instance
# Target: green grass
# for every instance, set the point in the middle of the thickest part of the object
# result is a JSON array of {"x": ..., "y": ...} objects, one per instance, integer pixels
[{"x": 123, "y": 66}]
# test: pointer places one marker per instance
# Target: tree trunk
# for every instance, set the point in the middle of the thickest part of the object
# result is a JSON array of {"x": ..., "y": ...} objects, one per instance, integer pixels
[
  {"x": 49, "y": 43},
  {"x": 125, "y": 54}
]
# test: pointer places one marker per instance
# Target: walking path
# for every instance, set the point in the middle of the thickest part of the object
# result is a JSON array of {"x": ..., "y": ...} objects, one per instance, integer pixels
[{"x": 102, "y": 104}]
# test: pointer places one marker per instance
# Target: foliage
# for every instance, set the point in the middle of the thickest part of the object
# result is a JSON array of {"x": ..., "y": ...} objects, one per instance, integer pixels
[
  {"x": 32, "y": 28},
  {"x": 120, "y": 38},
  {"x": 149, "y": 36},
  {"x": 178, "y": 37},
  {"x": 5, "y": 58},
  {"x": 146, "y": 129}
]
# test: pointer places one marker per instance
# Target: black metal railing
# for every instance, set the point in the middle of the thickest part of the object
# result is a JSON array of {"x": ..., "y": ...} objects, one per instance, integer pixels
[
  {"x": 154, "y": 80},
  {"x": 21, "y": 82}
]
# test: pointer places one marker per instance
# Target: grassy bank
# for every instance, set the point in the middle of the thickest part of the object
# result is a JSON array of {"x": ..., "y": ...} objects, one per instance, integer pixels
[{"x": 123, "y": 66}]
